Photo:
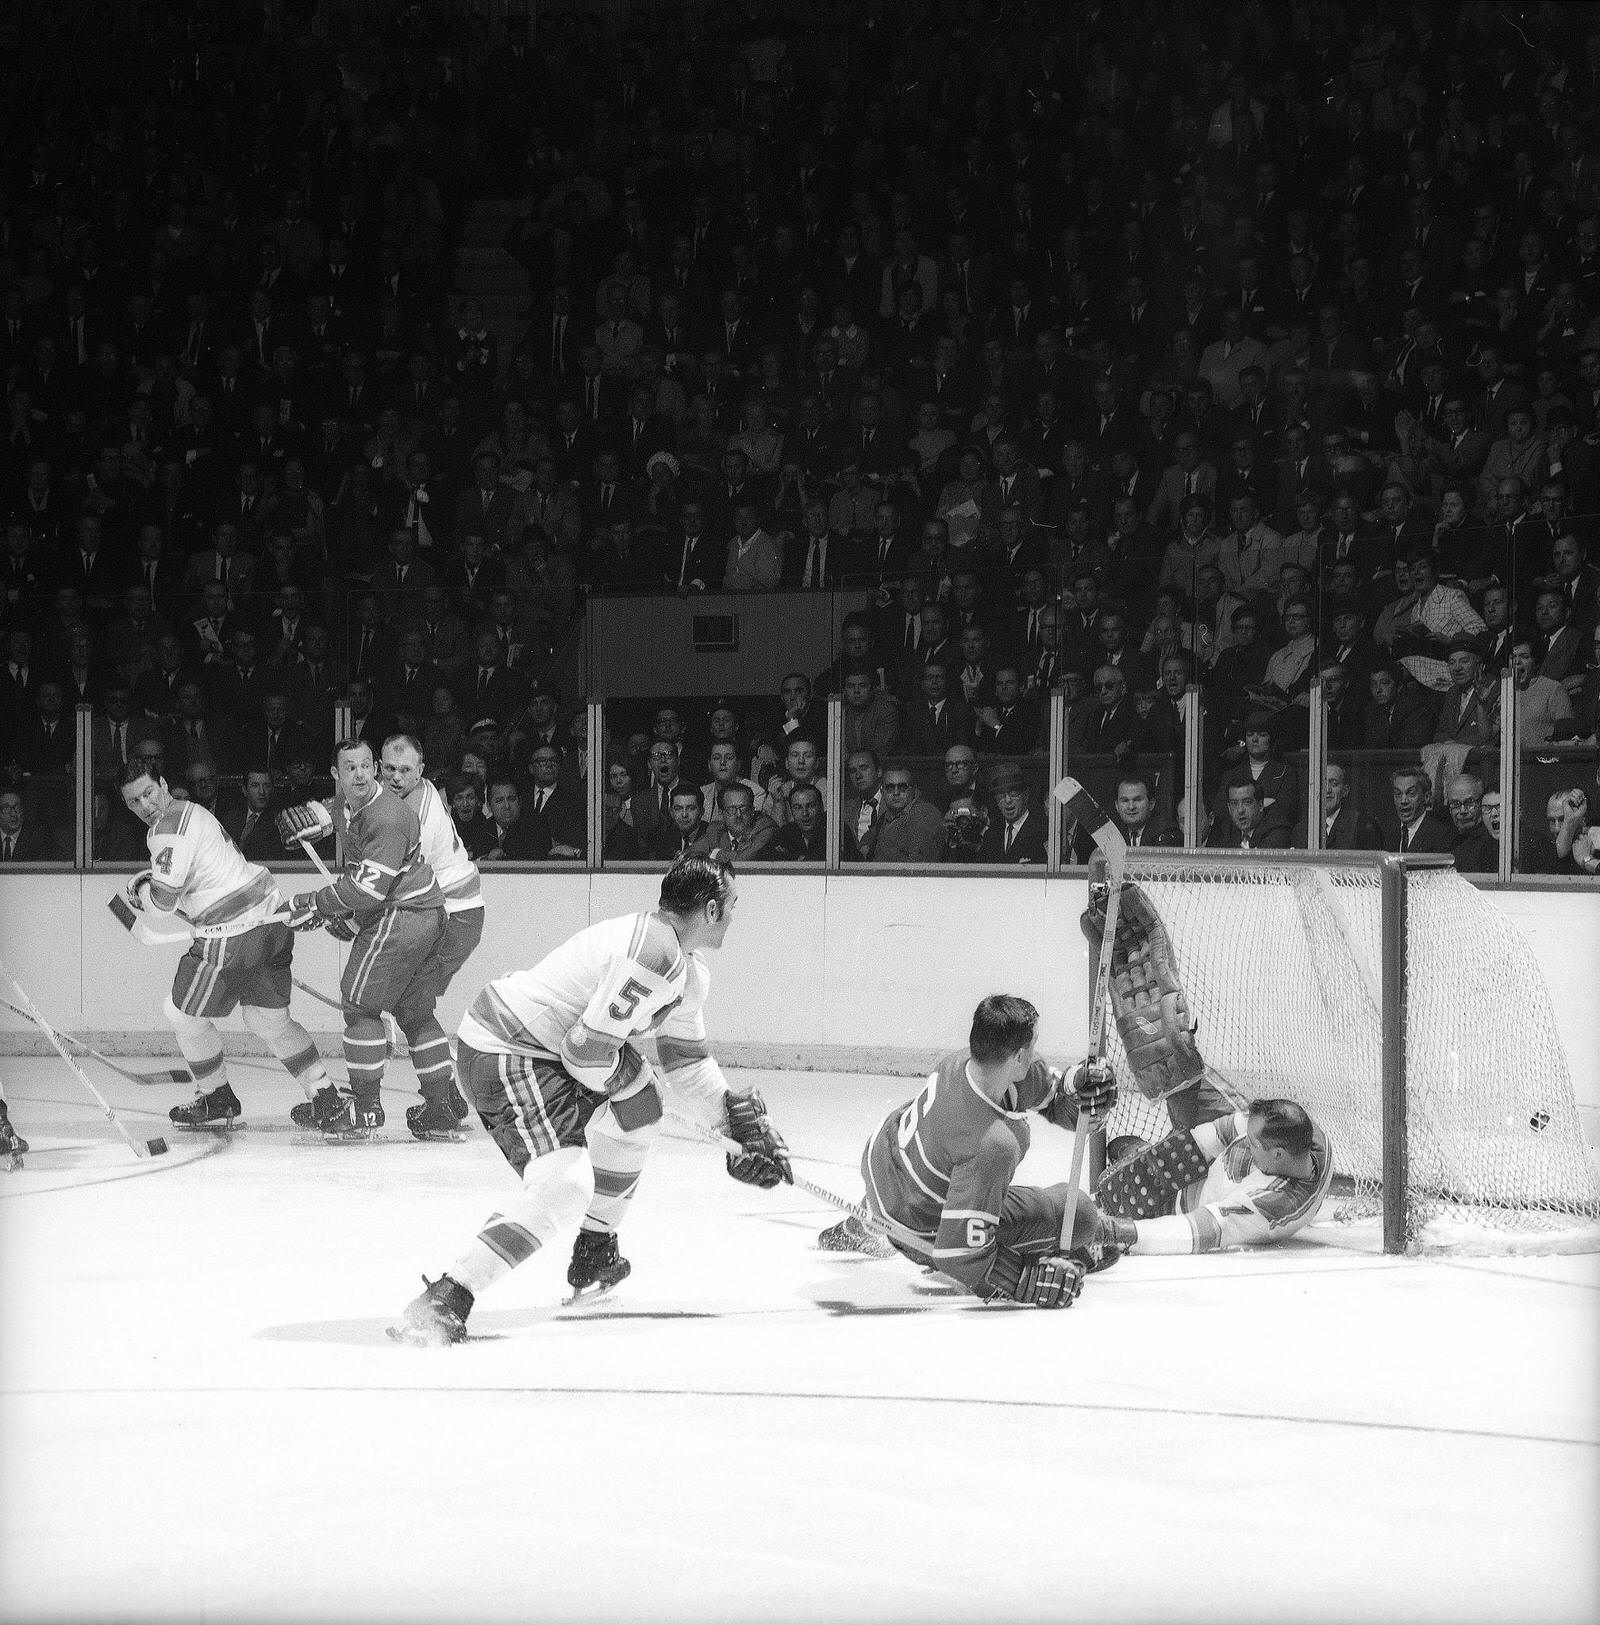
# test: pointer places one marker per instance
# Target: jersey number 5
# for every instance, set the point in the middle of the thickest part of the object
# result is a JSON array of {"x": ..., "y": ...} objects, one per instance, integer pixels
[
  {"x": 916, "y": 1111},
  {"x": 627, "y": 1000}
]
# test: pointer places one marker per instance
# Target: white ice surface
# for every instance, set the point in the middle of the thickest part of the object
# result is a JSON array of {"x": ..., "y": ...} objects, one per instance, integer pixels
[{"x": 200, "y": 1417}]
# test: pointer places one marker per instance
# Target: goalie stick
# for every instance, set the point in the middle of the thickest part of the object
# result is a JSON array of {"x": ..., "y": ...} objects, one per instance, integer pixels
[
  {"x": 141, "y": 1148},
  {"x": 1108, "y": 838},
  {"x": 917, "y": 1245}
]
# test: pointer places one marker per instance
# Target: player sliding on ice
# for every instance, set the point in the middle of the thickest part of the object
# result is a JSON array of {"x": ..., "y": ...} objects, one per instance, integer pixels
[
  {"x": 242, "y": 951},
  {"x": 1231, "y": 1174},
  {"x": 549, "y": 1058},
  {"x": 941, "y": 1167}
]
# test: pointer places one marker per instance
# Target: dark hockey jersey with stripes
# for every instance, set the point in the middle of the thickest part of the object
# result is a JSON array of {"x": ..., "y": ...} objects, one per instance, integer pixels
[
  {"x": 942, "y": 1163},
  {"x": 383, "y": 862}
]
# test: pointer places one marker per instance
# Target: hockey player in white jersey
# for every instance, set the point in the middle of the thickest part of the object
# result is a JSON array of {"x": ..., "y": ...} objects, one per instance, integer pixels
[
  {"x": 549, "y": 1058},
  {"x": 242, "y": 951},
  {"x": 457, "y": 877}
]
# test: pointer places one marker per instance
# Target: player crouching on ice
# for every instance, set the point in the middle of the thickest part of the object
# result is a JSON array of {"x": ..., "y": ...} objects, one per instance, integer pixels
[
  {"x": 1232, "y": 1173},
  {"x": 941, "y": 1167},
  {"x": 549, "y": 1058},
  {"x": 242, "y": 953}
]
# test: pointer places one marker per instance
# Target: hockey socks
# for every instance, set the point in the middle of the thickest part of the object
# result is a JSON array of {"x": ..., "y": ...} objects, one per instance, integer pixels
[
  {"x": 290, "y": 1043},
  {"x": 618, "y": 1155},
  {"x": 555, "y": 1190}
]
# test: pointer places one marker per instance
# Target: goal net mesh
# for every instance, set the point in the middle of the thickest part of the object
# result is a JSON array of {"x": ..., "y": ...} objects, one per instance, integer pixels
[{"x": 1283, "y": 970}]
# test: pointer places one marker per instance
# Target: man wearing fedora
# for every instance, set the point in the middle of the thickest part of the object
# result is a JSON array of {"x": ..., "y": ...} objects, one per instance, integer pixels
[{"x": 1017, "y": 834}]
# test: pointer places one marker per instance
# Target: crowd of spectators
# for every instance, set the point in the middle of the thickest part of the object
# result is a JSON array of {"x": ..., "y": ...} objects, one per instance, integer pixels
[{"x": 1115, "y": 349}]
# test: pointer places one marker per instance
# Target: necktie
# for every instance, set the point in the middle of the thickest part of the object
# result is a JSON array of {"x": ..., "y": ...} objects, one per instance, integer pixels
[
  {"x": 1405, "y": 839},
  {"x": 121, "y": 736},
  {"x": 1011, "y": 831}
]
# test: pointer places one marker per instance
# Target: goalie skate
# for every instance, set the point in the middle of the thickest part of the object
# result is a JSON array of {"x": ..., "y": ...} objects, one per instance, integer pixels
[
  {"x": 597, "y": 1268},
  {"x": 850, "y": 1235}
]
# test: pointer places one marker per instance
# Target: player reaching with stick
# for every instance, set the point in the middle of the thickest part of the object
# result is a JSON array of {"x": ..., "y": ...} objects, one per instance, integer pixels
[
  {"x": 1232, "y": 1173},
  {"x": 942, "y": 1166},
  {"x": 388, "y": 906},
  {"x": 550, "y": 1059},
  {"x": 242, "y": 953}
]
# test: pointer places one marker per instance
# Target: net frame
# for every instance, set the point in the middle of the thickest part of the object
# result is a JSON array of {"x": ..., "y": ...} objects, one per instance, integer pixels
[{"x": 1454, "y": 1135}]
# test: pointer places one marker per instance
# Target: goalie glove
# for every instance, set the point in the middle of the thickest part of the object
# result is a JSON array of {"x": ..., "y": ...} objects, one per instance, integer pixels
[
  {"x": 1047, "y": 1283},
  {"x": 1094, "y": 1085},
  {"x": 310, "y": 821},
  {"x": 136, "y": 894},
  {"x": 764, "y": 1158}
]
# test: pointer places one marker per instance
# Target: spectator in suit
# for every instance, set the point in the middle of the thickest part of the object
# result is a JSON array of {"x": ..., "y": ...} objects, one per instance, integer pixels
[
  {"x": 1136, "y": 814},
  {"x": 861, "y": 813},
  {"x": 488, "y": 507},
  {"x": 1418, "y": 827},
  {"x": 1108, "y": 725},
  {"x": 804, "y": 839},
  {"x": 116, "y": 733},
  {"x": 1476, "y": 851},
  {"x": 46, "y": 743},
  {"x": 869, "y": 717},
  {"x": 558, "y": 806},
  {"x": 250, "y": 825},
  {"x": 1017, "y": 833},
  {"x": 685, "y": 829},
  {"x": 1249, "y": 825},
  {"x": 516, "y": 839},
  {"x": 399, "y": 581},
  {"x": 1009, "y": 724},
  {"x": 21, "y": 840},
  {"x": 489, "y": 688},
  {"x": 224, "y": 561},
  {"x": 740, "y": 831},
  {"x": 651, "y": 804},
  {"x": 197, "y": 734},
  {"x": 1345, "y": 828},
  {"x": 937, "y": 720}
]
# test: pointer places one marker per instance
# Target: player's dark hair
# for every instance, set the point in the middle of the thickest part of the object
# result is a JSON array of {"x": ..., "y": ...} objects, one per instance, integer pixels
[
  {"x": 351, "y": 744},
  {"x": 1284, "y": 1124},
  {"x": 1001, "y": 1025},
  {"x": 136, "y": 767},
  {"x": 694, "y": 880},
  {"x": 410, "y": 740}
]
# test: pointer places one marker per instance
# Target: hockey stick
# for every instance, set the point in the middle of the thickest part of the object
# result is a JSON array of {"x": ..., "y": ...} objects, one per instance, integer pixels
[
  {"x": 1108, "y": 838},
  {"x": 141, "y": 1148},
  {"x": 880, "y": 1226},
  {"x": 165, "y": 1074}
]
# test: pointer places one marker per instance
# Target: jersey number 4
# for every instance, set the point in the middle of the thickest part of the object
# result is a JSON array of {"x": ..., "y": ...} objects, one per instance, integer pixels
[
  {"x": 627, "y": 1000},
  {"x": 916, "y": 1111},
  {"x": 163, "y": 860}
]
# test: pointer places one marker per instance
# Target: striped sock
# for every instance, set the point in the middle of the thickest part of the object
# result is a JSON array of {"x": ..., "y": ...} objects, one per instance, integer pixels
[{"x": 554, "y": 1190}]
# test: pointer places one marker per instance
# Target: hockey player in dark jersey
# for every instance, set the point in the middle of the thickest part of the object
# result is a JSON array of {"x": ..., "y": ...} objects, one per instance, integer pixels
[
  {"x": 387, "y": 905},
  {"x": 942, "y": 1165}
]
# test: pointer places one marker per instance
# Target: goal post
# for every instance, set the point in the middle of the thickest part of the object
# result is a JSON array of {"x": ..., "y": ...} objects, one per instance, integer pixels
[{"x": 1405, "y": 1012}]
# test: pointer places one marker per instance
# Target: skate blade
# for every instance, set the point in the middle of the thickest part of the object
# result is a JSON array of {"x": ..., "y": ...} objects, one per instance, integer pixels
[
  {"x": 220, "y": 1126},
  {"x": 593, "y": 1293},
  {"x": 402, "y": 1334},
  {"x": 372, "y": 1137},
  {"x": 445, "y": 1136}
]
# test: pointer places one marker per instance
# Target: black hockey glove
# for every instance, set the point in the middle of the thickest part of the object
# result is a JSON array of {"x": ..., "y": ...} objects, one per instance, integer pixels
[
  {"x": 1047, "y": 1283},
  {"x": 764, "y": 1159},
  {"x": 342, "y": 926}
]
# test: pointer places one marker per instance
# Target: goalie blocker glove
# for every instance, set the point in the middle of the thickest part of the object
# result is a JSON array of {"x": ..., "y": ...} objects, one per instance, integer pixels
[
  {"x": 1047, "y": 1283},
  {"x": 764, "y": 1158},
  {"x": 308, "y": 822}
]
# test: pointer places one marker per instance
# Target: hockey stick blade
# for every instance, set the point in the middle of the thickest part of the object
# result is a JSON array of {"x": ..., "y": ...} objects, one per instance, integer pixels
[
  {"x": 141, "y": 1148},
  {"x": 160, "y": 1074}
]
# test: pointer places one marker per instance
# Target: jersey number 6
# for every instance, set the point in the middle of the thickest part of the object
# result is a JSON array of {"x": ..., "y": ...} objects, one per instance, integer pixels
[
  {"x": 916, "y": 1111},
  {"x": 627, "y": 1000}
]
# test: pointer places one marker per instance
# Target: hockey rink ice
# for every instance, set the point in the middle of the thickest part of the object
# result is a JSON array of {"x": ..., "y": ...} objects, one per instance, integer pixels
[{"x": 201, "y": 1419}]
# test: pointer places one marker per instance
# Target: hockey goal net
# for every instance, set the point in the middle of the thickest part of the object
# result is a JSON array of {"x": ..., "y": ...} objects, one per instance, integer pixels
[{"x": 1407, "y": 1015}]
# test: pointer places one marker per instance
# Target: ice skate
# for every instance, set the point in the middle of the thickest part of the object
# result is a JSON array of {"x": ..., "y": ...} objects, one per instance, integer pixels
[
  {"x": 339, "y": 1117},
  {"x": 434, "y": 1120},
  {"x": 12, "y": 1144},
  {"x": 220, "y": 1109},
  {"x": 596, "y": 1268},
  {"x": 850, "y": 1235},
  {"x": 436, "y": 1318}
]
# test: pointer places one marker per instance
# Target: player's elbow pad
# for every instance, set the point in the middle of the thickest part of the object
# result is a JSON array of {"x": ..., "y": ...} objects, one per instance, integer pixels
[{"x": 590, "y": 1058}]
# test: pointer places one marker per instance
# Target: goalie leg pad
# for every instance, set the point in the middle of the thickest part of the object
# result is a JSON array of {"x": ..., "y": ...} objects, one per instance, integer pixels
[
  {"x": 1148, "y": 1003},
  {"x": 1148, "y": 1183}
]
